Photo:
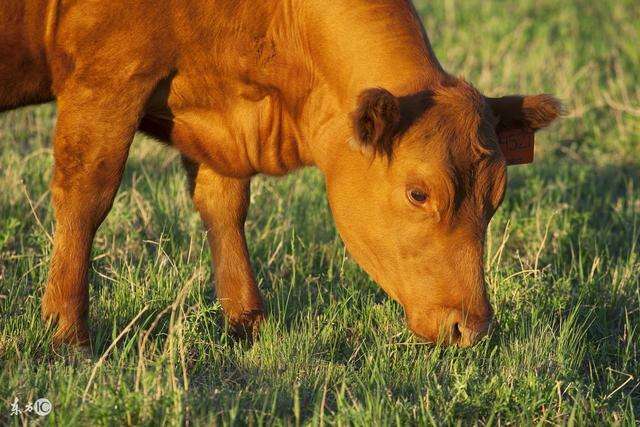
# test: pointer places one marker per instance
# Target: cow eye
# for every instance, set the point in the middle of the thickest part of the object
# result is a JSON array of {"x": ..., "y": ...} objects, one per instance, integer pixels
[{"x": 417, "y": 196}]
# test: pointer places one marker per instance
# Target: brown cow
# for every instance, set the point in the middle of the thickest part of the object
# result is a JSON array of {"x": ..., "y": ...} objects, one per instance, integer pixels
[{"x": 241, "y": 87}]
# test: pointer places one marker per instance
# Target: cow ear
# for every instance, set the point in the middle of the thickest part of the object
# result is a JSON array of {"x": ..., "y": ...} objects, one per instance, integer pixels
[
  {"x": 525, "y": 113},
  {"x": 376, "y": 120}
]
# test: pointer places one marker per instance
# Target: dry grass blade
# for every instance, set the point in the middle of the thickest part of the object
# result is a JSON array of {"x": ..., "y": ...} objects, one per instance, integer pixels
[{"x": 104, "y": 356}]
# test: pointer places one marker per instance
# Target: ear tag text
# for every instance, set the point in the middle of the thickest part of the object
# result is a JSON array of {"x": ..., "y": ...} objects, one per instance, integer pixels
[{"x": 517, "y": 146}]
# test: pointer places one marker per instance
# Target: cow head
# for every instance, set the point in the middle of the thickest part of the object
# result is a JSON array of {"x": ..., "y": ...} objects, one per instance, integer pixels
[{"x": 413, "y": 197}]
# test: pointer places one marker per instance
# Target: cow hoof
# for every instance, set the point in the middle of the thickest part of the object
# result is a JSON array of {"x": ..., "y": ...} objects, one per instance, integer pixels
[
  {"x": 76, "y": 334},
  {"x": 247, "y": 326},
  {"x": 67, "y": 331}
]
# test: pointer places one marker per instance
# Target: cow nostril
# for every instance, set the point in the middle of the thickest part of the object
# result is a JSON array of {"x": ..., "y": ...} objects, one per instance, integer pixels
[{"x": 456, "y": 333}]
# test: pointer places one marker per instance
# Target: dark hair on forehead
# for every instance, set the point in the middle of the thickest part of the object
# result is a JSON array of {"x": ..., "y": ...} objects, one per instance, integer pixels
[{"x": 460, "y": 115}]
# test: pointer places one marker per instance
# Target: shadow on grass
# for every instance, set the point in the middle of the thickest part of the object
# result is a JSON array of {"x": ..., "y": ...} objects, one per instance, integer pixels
[{"x": 601, "y": 214}]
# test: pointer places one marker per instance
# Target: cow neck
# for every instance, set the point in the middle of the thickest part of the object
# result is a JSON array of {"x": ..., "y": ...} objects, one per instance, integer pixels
[
  {"x": 361, "y": 44},
  {"x": 355, "y": 45}
]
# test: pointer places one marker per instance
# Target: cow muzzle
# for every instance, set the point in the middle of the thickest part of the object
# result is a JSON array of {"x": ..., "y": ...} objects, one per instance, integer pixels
[{"x": 452, "y": 327}]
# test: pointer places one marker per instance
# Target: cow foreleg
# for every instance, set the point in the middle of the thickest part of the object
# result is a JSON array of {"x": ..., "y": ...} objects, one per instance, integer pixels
[
  {"x": 223, "y": 203},
  {"x": 91, "y": 145}
]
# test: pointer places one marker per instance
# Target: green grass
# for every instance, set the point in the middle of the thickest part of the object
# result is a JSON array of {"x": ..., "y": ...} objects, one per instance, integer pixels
[{"x": 563, "y": 267}]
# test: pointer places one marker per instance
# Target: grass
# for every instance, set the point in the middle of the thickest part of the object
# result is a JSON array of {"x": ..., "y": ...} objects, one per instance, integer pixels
[{"x": 563, "y": 267}]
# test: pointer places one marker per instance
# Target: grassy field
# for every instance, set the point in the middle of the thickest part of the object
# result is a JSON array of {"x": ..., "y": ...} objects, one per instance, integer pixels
[{"x": 563, "y": 267}]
